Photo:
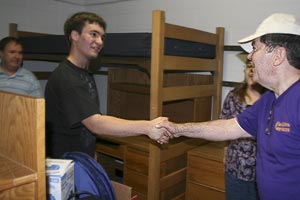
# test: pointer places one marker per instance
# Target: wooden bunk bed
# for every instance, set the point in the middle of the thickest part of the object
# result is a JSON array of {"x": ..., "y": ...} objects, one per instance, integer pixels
[{"x": 158, "y": 171}]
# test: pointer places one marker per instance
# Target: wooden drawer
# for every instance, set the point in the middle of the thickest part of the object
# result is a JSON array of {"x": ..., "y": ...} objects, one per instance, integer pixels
[
  {"x": 206, "y": 167},
  {"x": 205, "y": 171},
  {"x": 110, "y": 148},
  {"x": 201, "y": 192},
  {"x": 114, "y": 167},
  {"x": 137, "y": 160},
  {"x": 176, "y": 191},
  {"x": 174, "y": 164},
  {"x": 136, "y": 180}
]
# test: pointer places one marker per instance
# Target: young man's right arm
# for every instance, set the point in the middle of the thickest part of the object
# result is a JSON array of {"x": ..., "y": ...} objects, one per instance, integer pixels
[{"x": 113, "y": 126}]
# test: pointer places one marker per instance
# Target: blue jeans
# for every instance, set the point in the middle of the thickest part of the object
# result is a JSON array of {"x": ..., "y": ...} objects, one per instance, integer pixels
[{"x": 237, "y": 189}]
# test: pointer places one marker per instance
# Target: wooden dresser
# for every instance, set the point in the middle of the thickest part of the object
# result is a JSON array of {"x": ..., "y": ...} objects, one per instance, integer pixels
[
  {"x": 205, "y": 173},
  {"x": 150, "y": 166},
  {"x": 22, "y": 147}
]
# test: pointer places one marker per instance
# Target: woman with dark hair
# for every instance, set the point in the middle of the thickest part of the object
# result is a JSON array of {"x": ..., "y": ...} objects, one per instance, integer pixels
[{"x": 240, "y": 159}]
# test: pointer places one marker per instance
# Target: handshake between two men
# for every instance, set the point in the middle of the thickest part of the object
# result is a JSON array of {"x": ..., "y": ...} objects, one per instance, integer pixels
[{"x": 164, "y": 130}]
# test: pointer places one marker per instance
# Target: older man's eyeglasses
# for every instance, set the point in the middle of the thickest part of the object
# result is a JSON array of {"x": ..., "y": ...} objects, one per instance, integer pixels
[{"x": 269, "y": 48}]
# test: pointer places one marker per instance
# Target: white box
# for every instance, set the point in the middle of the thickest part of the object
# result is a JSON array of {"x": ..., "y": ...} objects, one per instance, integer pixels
[{"x": 60, "y": 178}]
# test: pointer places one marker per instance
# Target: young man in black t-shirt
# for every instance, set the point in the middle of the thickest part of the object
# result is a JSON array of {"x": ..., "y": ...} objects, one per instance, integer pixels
[{"x": 73, "y": 117}]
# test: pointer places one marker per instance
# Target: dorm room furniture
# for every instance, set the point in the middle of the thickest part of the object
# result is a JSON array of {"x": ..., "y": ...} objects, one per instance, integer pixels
[
  {"x": 143, "y": 87},
  {"x": 205, "y": 172},
  {"x": 22, "y": 147},
  {"x": 162, "y": 86}
]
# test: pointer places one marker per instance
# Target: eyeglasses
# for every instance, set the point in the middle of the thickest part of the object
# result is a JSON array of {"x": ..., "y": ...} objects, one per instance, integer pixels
[
  {"x": 270, "y": 121},
  {"x": 255, "y": 49},
  {"x": 268, "y": 49}
]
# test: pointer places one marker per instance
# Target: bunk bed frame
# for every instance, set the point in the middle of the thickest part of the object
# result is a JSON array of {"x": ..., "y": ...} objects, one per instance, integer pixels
[{"x": 158, "y": 171}]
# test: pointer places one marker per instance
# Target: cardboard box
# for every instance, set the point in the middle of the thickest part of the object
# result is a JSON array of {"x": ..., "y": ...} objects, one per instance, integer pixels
[
  {"x": 123, "y": 192},
  {"x": 60, "y": 178}
]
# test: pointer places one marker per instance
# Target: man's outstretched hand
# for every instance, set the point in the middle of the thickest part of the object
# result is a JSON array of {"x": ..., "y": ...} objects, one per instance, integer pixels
[{"x": 170, "y": 131}]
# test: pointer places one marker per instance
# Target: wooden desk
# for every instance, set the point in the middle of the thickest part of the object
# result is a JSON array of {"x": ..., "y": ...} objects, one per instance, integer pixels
[{"x": 150, "y": 166}]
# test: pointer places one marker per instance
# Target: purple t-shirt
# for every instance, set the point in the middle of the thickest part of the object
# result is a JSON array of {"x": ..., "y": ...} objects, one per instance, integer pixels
[{"x": 276, "y": 126}]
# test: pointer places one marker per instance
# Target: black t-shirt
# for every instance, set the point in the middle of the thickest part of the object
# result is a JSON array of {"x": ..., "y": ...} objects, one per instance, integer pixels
[{"x": 71, "y": 96}]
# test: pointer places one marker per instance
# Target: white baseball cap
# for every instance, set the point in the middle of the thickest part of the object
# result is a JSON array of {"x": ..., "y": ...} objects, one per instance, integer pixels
[{"x": 275, "y": 23}]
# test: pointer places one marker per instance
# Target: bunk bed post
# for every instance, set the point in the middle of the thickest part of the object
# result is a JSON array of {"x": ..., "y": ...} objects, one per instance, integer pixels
[
  {"x": 218, "y": 76},
  {"x": 157, "y": 70},
  {"x": 13, "y": 30},
  {"x": 156, "y": 102}
]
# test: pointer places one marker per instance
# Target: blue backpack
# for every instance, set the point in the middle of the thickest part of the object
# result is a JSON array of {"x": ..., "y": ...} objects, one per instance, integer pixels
[{"x": 91, "y": 180}]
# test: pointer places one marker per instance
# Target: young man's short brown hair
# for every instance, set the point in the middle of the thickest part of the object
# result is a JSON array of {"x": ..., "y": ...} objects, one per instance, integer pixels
[{"x": 78, "y": 20}]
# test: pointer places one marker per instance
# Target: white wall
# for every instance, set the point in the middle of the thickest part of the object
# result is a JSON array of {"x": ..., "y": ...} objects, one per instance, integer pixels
[
  {"x": 239, "y": 17},
  {"x": 35, "y": 15}
]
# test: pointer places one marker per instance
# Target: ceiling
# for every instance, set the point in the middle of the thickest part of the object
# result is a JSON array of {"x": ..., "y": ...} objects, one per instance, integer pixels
[{"x": 90, "y": 2}]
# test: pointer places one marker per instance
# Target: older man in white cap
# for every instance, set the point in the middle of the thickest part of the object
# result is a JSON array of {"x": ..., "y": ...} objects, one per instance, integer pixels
[{"x": 274, "y": 120}]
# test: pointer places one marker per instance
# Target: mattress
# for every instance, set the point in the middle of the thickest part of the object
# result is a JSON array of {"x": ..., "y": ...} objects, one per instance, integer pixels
[{"x": 120, "y": 44}]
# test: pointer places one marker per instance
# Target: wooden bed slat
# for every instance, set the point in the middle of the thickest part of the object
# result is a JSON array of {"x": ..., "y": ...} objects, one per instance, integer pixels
[
  {"x": 189, "y": 34},
  {"x": 14, "y": 32},
  {"x": 134, "y": 61},
  {"x": 187, "y": 92},
  {"x": 44, "y": 57},
  {"x": 187, "y": 63}
]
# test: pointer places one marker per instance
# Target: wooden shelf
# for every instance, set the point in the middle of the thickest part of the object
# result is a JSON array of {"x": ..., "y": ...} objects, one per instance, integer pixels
[{"x": 12, "y": 174}]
